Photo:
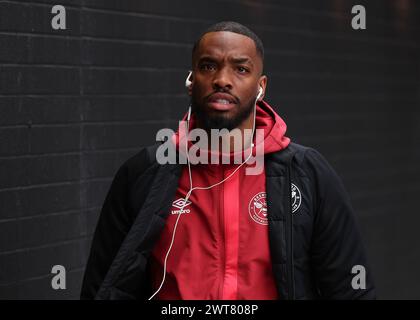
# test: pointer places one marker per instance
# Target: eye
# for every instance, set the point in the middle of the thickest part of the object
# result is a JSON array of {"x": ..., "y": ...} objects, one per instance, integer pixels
[
  {"x": 207, "y": 66},
  {"x": 242, "y": 70}
]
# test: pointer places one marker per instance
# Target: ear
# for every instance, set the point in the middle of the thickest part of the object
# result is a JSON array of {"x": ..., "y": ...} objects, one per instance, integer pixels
[{"x": 263, "y": 85}]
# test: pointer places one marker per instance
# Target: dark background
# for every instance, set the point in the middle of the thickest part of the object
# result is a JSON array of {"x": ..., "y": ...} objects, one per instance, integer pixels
[{"x": 75, "y": 103}]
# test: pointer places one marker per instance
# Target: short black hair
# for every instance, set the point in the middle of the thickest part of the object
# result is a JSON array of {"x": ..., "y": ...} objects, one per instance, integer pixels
[{"x": 234, "y": 27}]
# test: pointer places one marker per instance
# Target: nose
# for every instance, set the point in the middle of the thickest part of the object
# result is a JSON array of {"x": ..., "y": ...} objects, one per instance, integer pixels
[{"x": 222, "y": 80}]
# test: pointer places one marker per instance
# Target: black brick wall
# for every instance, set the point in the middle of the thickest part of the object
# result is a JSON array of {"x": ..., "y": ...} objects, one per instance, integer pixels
[{"x": 75, "y": 103}]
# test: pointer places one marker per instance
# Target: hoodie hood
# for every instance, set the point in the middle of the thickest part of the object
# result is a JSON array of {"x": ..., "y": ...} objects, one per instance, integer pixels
[{"x": 266, "y": 118}]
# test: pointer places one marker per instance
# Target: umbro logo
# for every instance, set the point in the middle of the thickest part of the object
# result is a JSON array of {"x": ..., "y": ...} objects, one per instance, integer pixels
[{"x": 179, "y": 203}]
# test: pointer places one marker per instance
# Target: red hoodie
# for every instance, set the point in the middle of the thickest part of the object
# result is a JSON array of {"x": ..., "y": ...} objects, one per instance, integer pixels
[{"x": 221, "y": 247}]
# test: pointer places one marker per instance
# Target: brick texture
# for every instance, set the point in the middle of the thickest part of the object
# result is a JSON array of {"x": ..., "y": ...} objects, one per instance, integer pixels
[{"x": 75, "y": 103}]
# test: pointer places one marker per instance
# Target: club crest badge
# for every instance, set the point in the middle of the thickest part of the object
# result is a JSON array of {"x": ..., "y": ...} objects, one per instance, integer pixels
[
  {"x": 296, "y": 198},
  {"x": 258, "y": 208}
]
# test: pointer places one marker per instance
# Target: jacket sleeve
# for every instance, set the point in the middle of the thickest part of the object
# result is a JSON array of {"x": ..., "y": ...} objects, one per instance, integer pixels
[
  {"x": 112, "y": 227},
  {"x": 338, "y": 254}
]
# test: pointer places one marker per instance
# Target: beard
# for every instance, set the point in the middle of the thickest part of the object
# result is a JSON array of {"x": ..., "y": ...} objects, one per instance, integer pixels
[{"x": 211, "y": 119}]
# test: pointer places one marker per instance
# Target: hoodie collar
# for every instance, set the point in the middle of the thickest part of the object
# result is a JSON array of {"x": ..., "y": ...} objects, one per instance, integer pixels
[{"x": 266, "y": 118}]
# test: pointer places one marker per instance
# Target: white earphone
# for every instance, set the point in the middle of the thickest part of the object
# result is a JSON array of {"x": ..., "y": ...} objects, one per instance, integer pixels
[
  {"x": 260, "y": 92},
  {"x": 188, "y": 81}
]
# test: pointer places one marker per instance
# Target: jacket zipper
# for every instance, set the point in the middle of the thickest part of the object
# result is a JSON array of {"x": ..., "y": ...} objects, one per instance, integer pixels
[
  {"x": 222, "y": 236},
  {"x": 230, "y": 229},
  {"x": 290, "y": 255}
]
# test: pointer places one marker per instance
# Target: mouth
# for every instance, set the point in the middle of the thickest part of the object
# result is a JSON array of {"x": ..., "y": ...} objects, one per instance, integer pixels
[{"x": 221, "y": 102}]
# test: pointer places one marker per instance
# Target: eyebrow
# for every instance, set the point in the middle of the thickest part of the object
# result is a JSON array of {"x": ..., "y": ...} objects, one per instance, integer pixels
[
  {"x": 237, "y": 60},
  {"x": 242, "y": 60},
  {"x": 206, "y": 58}
]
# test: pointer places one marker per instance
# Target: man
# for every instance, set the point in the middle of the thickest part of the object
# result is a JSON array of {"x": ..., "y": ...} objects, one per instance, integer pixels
[{"x": 212, "y": 231}]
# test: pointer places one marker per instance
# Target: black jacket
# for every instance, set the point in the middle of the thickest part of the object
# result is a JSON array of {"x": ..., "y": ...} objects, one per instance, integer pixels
[{"x": 313, "y": 250}]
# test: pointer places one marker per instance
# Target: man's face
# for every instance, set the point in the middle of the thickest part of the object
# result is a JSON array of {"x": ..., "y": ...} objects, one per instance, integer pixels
[{"x": 226, "y": 79}]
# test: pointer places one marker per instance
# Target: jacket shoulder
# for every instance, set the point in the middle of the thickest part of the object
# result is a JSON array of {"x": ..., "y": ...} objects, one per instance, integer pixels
[
  {"x": 304, "y": 155},
  {"x": 140, "y": 162},
  {"x": 300, "y": 151},
  {"x": 306, "y": 161}
]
